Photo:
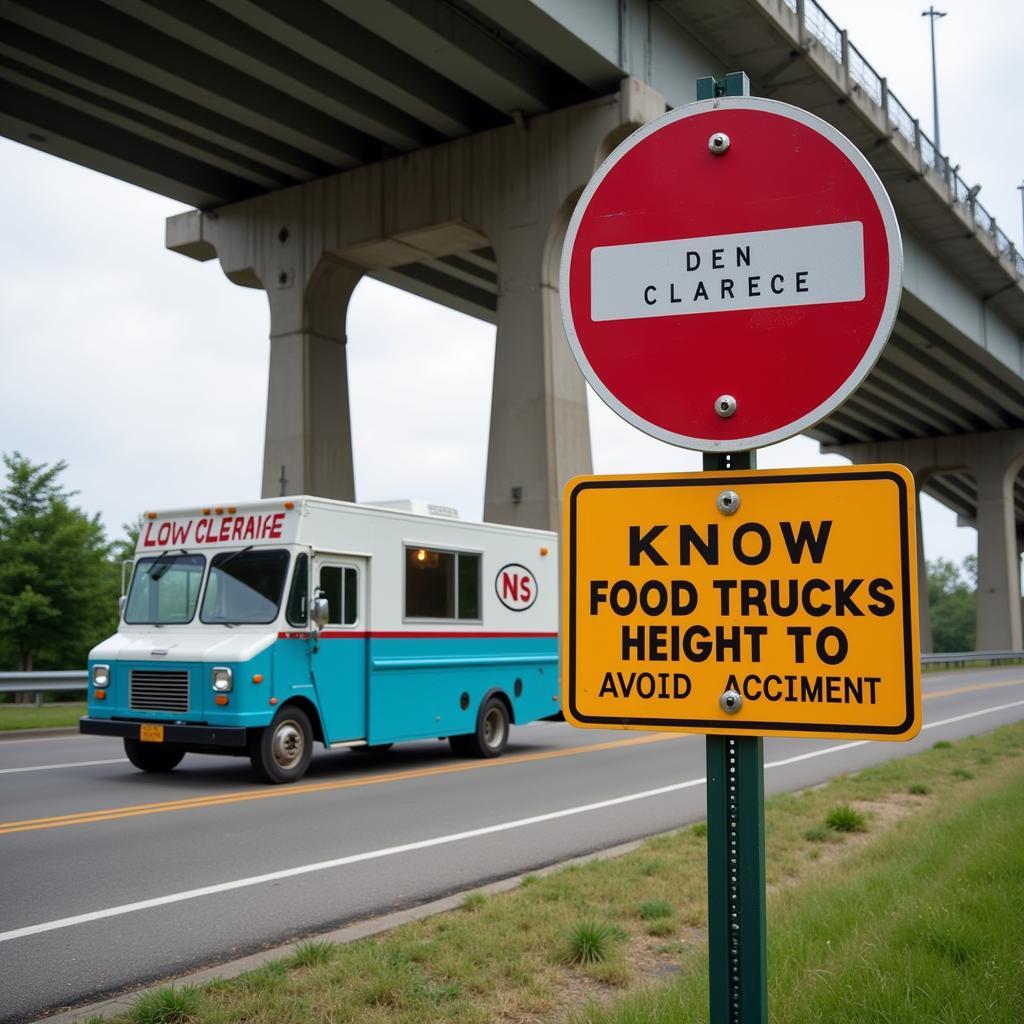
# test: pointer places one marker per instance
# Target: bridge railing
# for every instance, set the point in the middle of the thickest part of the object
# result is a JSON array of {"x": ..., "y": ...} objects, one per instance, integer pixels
[{"x": 815, "y": 22}]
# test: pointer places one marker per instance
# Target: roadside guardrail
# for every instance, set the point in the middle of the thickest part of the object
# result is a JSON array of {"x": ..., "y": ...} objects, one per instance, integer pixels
[
  {"x": 40, "y": 683},
  {"x": 964, "y": 658}
]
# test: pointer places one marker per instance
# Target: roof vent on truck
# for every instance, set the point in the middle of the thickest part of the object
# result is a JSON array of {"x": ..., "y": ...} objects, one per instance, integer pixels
[{"x": 417, "y": 506}]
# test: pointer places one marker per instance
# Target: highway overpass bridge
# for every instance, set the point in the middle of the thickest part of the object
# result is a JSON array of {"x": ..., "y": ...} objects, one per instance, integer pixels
[{"x": 439, "y": 145}]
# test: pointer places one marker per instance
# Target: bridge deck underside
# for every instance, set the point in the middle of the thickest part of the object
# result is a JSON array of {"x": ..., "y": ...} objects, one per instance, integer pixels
[{"x": 216, "y": 102}]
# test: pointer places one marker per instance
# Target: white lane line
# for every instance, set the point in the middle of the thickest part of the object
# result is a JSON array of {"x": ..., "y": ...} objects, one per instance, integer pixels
[
  {"x": 816, "y": 753},
  {"x": 66, "y": 764},
  {"x": 425, "y": 844},
  {"x": 973, "y": 714}
]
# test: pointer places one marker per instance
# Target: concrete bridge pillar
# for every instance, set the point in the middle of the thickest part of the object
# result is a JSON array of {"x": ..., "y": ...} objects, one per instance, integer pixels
[
  {"x": 540, "y": 433},
  {"x": 510, "y": 190},
  {"x": 999, "y": 620},
  {"x": 308, "y": 444},
  {"x": 993, "y": 459}
]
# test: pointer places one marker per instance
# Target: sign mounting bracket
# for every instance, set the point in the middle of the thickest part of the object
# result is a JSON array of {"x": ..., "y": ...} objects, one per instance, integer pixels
[{"x": 735, "y": 83}]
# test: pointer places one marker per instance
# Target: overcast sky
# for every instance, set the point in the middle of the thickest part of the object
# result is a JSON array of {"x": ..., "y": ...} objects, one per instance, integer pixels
[{"x": 147, "y": 371}]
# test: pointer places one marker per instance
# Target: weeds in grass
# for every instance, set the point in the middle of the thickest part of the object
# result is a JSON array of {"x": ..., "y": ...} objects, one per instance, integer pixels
[
  {"x": 530, "y": 879},
  {"x": 942, "y": 745},
  {"x": 474, "y": 901},
  {"x": 265, "y": 979},
  {"x": 963, "y": 774},
  {"x": 313, "y": 953},
  {"x": 590, "y": 942},
  {"x": 700, "y": 829},
  {"x": 651, "y": 909},
  {"x": 819, "y": 834},
  {"x": 845, "y": 819},
  {"x": 919, "y": 789},
  {"x": 167, "y": 1006},
  {"x": 670, "y": 948},
  {"x": 661, "y": 926}
]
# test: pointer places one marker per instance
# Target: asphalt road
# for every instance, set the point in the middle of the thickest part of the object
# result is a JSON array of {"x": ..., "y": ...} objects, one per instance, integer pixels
[{"x": 112, "y": 877}]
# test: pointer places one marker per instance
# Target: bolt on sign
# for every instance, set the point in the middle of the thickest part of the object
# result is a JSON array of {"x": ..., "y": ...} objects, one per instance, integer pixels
[{"x": 765, "y": 602}]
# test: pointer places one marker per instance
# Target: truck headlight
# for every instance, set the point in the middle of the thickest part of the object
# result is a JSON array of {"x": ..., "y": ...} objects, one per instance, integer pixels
[
  {"x": 101, "y": 676},
  {"x": 222, "y": 679}
]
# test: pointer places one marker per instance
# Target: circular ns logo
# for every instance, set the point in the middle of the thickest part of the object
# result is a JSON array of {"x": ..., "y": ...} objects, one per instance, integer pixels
[{"x": 516, "y": 587}]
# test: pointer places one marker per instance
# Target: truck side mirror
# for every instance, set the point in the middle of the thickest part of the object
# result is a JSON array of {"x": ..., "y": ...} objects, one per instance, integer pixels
[{"x": 321, "y": 611}]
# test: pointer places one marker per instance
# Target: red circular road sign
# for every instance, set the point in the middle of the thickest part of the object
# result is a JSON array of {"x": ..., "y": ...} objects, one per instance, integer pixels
[{"x": 730, "y": 274}]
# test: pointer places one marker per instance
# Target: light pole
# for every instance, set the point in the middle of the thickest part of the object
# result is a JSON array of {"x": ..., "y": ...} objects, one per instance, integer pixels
[
  {"x": 1020, "y": 189},
  {"x": 931, "y": 14}
]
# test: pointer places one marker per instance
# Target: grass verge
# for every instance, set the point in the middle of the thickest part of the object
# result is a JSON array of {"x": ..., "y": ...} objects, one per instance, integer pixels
[
  {"x": 49, "y": 716},
  {"x": 908, "y": 911}
]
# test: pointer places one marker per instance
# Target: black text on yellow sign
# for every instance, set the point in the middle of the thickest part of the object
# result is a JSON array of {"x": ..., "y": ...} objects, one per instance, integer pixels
[{"x": 802, "y": 601}]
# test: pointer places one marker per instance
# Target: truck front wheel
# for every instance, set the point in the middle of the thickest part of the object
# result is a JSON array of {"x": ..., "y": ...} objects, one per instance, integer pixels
[
  {"x": 281, "y": 752},
  {"x": 152, "y": 757}
]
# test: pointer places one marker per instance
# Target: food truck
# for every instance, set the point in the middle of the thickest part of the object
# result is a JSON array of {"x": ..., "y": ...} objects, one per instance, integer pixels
[{"x": 261, "y": 628}]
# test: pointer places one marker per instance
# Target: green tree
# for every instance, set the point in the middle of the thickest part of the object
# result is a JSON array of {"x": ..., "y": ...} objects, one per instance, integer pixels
[
  {"x": 951, "y": 603},
  {"x": 58, "y": 583}
]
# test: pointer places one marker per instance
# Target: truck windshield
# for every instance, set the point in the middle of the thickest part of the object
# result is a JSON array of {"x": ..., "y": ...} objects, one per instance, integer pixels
[
  {"x": 165, "y": 589},
  {"x": 245, "y": 586}
]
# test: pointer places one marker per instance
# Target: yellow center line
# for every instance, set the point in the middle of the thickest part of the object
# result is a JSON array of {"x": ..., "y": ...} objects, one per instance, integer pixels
[
  {"x": 972, "y": 689},
  {"x": 137, "y": 810}
]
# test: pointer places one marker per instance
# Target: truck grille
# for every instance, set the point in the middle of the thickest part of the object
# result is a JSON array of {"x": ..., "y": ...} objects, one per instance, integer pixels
[{"x": 158, "y": 690}]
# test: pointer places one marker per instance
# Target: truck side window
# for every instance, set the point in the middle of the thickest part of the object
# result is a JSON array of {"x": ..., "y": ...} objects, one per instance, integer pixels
[
  {"x": 442, "y": 584},
  {"x": 340, "y": 583},
  {"x": 298, "y": 612}
]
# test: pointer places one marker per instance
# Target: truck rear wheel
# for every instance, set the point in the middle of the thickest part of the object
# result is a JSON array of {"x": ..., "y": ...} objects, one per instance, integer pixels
[
  {"x": 152, "y": 757},
  {"x": 491, "y": 736},
  {"x": 282, "y": 751}
]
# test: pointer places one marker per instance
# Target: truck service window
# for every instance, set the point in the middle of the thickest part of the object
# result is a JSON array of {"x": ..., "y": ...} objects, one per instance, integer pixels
[
  {"x": 340, "y": 585},
  {"x": 442, "y": 584},
  {"x": 165, "y": 589},
  {"x": 245, "y": 586}
]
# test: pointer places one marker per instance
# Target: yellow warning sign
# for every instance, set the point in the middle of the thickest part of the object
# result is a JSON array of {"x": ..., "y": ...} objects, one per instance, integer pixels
[{"x": 761, "y": 602}]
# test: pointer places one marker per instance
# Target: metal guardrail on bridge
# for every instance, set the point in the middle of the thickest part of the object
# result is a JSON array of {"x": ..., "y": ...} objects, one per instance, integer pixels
[
  {"x": 817, "y": 23},
  {"x": 39, "y": 683}
]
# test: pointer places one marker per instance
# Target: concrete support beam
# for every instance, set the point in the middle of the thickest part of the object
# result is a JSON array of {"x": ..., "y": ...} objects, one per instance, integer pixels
[
  {"x": 510, "y": 189},
  {"x": 308, "y": 443},
  {"x": 994, "y": 459},
  {"x": 540, "y": 434}
]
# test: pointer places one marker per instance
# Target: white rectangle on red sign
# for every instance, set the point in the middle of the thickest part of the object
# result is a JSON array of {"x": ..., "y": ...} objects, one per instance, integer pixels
[{"x": 804, "y": 266}]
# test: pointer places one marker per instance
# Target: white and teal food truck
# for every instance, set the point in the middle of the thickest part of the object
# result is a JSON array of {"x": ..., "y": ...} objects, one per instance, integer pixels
[{"x": 261, "y": 628}]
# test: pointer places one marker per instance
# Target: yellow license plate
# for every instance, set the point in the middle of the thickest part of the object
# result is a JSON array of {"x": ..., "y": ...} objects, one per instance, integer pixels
[{"x": 151, "y": 733}]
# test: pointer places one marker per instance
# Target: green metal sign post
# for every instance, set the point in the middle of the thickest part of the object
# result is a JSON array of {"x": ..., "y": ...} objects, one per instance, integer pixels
[
  {"x": 737, "y": 939},
  {"x": 737, "y": 955}
]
